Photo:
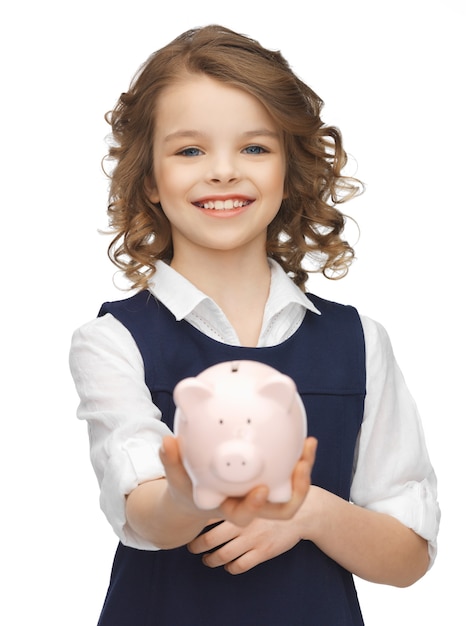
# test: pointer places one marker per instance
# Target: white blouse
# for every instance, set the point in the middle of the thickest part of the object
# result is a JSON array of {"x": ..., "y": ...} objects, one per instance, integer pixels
[{"x": 392, "y": 470}]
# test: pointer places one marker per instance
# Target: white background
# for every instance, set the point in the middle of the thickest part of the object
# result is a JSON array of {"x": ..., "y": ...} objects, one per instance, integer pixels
[{"x": 396, "y": 78}]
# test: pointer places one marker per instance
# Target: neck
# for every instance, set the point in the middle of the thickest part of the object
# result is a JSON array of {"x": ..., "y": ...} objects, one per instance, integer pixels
[{"x": 238, "y": 283}]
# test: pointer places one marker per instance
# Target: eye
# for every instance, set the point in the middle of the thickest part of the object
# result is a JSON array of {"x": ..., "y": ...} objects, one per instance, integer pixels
[
  {"x": 189, "y": 152},
  {"x": 255, "y": 150},
  {"x": 248, "y": 421},
  {"x": 221, "y": 421}
]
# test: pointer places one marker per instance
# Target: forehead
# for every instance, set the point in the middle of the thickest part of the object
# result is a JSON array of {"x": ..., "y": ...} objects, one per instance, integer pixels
[{"x": 197, "y": 101}]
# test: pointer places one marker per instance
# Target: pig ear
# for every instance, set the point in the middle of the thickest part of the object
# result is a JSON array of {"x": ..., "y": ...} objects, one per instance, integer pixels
[
  {"x": 190, "y": 393},
  {"x": 280, "y": 388}
]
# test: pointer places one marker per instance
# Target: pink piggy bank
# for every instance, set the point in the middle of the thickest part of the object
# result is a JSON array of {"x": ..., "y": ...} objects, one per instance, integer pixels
[{"x": 239, "y": 424}]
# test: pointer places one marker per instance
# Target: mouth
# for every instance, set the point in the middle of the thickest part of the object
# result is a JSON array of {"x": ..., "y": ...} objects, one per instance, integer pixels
[{"x": 223, "y": 205}]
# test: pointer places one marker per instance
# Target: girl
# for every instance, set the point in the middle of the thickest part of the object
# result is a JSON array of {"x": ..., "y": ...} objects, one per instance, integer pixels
[{"x": 226, "y": 179}]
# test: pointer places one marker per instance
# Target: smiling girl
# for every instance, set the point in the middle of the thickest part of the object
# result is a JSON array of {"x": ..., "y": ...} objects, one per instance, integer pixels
[{"x": 226, "y": 179}]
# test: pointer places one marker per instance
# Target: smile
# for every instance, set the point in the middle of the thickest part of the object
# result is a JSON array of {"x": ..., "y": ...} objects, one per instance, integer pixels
[{"x": 223, "y": 205}]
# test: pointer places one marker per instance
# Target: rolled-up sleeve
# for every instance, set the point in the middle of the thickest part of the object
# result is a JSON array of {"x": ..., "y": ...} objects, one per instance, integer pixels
[
  {"x": 125, "y": 427},
  {"x": 393, "y": 473}
]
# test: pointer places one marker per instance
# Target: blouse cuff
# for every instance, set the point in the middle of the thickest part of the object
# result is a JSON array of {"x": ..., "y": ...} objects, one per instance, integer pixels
[{"x": 415, "y": 507}]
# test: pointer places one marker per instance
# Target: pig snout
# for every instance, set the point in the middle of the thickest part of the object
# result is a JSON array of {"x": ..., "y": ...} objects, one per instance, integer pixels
[{"x": 237, "y": 461}]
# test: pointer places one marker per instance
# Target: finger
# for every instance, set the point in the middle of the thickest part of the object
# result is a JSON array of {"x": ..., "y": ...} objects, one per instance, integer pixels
[
  {"x": 224, "y": 555},
  {"x": 213, "y": 538},
  {"x": 301, "y": 477},
  {"x": 309, "y": 450},
  {"x": 169, "y": 450},
  {"x": 170, "y": 456},
  {"x": 243, "y": 564},
  {"x": 241, "y": 511}
]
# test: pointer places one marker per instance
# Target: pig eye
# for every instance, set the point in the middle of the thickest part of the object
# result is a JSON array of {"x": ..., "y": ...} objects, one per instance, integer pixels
[
  {"x": 248, "y": 421},
  {"x": 221, "y": 421}
]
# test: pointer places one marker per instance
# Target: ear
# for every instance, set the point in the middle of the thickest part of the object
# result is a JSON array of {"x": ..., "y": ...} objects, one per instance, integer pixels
[
  {"x": 191, "y": 393},
  {"x": 151, "y": 190},
  {"x": 279, "y": 388}
]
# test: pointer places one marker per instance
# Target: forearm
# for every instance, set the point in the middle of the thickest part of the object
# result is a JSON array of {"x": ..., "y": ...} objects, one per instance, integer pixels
[
  {"x": 372, "y": 545},
  {"x": 157, "y": 517}
]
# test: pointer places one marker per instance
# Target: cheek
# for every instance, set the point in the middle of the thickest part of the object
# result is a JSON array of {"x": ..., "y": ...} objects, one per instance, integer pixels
[
  {"x": 277, "y": 175},
  {"x": 174, "y": 180},
  {"x": 169, "y": 210},
  {"x": 276, "y": 180},
  {"x": 167, "y": 184}
]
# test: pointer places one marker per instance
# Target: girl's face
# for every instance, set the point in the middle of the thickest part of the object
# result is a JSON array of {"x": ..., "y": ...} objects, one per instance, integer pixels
[{"x": 219, "y": 166}]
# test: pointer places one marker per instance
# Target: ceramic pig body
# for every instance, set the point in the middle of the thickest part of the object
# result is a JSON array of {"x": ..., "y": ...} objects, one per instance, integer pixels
[{"x": 239, "y": 424}]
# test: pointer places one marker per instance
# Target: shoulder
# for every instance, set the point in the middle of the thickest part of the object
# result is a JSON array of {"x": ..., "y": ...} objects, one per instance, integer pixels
[
  {"x": 374, "y": 333},
  {"x": 333, "y": 310},
  {"x": 377, "y": 342},
  {"x": 136, "y": 303},
  {"x": 337, "y": 317},
  {"x": 328, "y": 305},
  {"x": 105, "y": 328},
  {"x": 102, "y": 340}
]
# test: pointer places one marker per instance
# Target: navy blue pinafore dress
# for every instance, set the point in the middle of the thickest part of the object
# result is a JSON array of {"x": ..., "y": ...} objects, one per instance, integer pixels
[{"x": 302, "y": 587}]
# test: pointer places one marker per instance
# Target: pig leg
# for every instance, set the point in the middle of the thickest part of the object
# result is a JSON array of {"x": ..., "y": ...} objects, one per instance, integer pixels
[{"x": 207, "y": 498}]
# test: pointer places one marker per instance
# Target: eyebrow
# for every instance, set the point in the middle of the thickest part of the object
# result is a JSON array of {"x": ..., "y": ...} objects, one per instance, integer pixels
[
  {"x": 260, "y": 132},
  {"x": 183, "y": 133}
]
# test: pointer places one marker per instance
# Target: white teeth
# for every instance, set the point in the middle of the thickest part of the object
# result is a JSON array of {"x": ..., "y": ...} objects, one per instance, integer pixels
[{"x": 223, "y": 205}]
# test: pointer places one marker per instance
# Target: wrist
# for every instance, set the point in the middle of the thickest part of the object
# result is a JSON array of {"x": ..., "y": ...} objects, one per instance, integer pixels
[
  {"x": 307, "y": 515},
  {"x": 312, "y": 514},
  {"x": 155, "y": 515}
]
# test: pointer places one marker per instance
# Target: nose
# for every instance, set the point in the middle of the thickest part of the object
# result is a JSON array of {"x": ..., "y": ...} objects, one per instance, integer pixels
[{"x": 223, "y": 169}]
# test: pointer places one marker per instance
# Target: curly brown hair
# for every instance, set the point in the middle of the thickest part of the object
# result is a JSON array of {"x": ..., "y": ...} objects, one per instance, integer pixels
[{"x": 308, "y": 222}]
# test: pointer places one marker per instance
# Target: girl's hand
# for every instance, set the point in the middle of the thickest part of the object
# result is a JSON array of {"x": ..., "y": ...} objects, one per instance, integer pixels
[
  {"x": 238, "y": 511},
  {"x": 245, "y": 547}
]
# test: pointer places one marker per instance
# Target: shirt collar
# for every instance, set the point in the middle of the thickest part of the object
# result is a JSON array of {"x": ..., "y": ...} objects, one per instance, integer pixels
[
  {"x": 284, "y": 292},
  {"x": 181, "y": 297},
  {"x": 175, "y": 291}
]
